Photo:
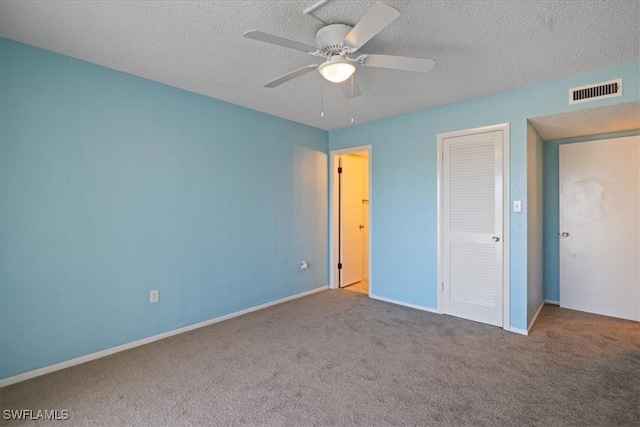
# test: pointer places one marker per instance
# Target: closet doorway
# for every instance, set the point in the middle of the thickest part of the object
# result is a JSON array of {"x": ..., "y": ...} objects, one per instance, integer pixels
[{"x": 473, "y": 216}]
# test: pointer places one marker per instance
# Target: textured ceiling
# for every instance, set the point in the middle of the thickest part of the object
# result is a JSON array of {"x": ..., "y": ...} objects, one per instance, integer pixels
[
  {"x": 481, "y": 47},
  {"x": 593, "y": 121}
]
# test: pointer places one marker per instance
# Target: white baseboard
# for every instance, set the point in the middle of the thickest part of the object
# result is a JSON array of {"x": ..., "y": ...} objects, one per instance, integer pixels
[
  {"x": 406, "y": 304},
  {"x": 552, "y": 302},
  {"x": 535, "y": 317},
  {"x": 432, "y": 310},
  {"x": 109, "y": 351}
]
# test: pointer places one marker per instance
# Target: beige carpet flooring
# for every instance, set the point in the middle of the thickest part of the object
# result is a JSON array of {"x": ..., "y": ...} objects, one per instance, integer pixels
[{"x": 340, "y": 358}]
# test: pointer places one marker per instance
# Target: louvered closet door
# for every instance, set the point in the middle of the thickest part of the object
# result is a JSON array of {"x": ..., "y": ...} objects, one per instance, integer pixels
[{"x": 473, "y": 238}]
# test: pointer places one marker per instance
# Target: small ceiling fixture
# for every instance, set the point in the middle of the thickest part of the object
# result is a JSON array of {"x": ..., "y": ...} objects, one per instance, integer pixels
[{"x": 336, "y": 69}]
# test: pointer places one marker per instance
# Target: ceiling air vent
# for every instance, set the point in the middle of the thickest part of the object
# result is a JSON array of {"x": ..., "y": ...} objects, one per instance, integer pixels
[{"x": 596, "y": 91}]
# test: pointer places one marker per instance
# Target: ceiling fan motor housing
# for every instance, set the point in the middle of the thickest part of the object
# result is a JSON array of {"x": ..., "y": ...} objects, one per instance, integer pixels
[{"x": 330, "y": 38}]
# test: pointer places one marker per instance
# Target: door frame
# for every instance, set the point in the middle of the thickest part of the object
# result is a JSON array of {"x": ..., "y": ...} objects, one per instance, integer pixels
[
  {"x": 506, "y": 208},
  {"x": 333, "y": 213}
]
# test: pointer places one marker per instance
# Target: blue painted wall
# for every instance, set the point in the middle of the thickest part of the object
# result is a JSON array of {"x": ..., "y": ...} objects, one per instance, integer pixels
[
  {"x": 112, "y": 185},
  {"x": 552, "y": 210},
  {"x": 535, "y": 226},
  {"x": 403, "y": 169}
]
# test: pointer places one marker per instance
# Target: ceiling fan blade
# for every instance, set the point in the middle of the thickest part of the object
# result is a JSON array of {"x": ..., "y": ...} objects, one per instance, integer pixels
[
  {"x": 280, "y": 41},
  {"x": 292, "y": 75},
  {"x": 405, "y": 63},
  {"x": 346, "y": 88},
  {"x": 378, "y": 17}
]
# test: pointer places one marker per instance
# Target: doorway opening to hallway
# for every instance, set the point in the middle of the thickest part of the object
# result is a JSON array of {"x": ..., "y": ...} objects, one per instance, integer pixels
[{"x": 350, "y": 218}]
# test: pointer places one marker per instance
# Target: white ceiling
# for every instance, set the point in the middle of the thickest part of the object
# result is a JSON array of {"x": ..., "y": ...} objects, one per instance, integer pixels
[{"x": 481, "y": 47}]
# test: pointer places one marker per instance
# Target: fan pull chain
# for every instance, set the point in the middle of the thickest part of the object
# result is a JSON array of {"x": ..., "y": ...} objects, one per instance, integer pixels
[
  {"x": 321, "y": 95},
  {"x": 351, "y": 100}
]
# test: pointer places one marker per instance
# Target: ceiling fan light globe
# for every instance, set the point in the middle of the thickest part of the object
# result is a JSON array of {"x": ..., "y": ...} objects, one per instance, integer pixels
[{"x": 337, "y": 71}]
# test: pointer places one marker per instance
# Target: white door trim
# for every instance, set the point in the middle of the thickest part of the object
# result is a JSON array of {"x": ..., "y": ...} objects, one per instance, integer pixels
[
  {"x": 333, "y": 214},
  {"x": 506, "y": 201}
]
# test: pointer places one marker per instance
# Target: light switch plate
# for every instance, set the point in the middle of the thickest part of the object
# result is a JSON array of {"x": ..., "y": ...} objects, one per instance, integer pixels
[{"x": 517, "y": 206}]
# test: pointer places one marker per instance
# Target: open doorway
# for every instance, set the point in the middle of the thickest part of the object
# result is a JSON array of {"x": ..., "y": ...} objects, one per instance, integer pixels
[
  {"x": 586, "y": 267},
  {"x": 350, "y": 214}
]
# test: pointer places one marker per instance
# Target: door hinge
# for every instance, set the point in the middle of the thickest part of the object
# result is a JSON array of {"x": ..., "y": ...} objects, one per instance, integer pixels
[
  {"x": 339, "y": 169},
  {"x": 339, "y": 266},
  {"x": 443, "y": 286}
]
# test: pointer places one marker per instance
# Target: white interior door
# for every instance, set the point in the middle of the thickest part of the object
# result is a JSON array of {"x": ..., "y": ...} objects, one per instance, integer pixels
[
  {"x": 600, "y": 227},
  {"x": 365, "y": 218},
  {"x": 365, "y": 239},
  {"x": 472, "y": 227},
  {"x": 351, "y": 195}
]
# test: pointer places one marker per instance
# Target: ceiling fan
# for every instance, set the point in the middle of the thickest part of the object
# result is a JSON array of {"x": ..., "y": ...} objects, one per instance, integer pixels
[{"x": 338, "y": 42}]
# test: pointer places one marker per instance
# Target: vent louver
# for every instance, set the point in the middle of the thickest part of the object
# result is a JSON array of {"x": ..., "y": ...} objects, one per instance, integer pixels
[{"x": 596, "y": 91}]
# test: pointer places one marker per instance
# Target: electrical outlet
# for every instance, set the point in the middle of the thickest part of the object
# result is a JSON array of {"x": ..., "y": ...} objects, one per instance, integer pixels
[{"x": 154, "y": 296}]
